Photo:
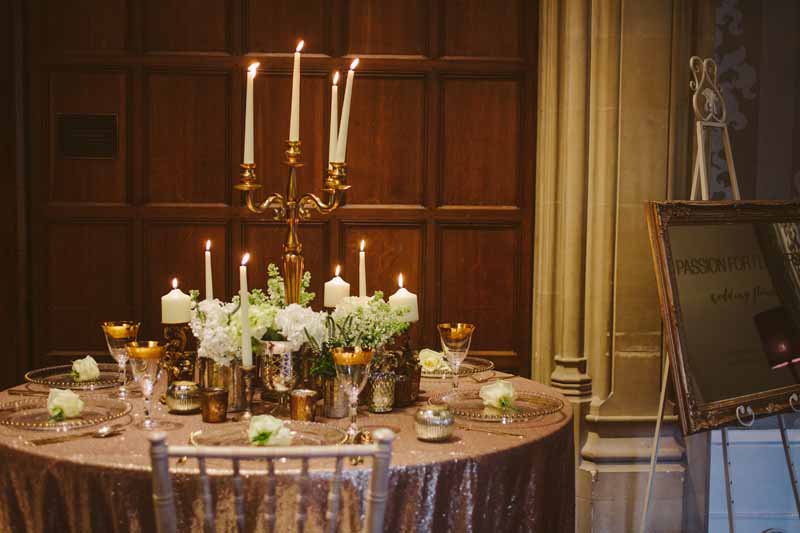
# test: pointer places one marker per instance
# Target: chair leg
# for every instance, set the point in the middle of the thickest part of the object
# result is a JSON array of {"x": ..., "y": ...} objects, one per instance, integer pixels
[
  {"x": 379, "y": 482},
  {"x": 163, "y": 500}
]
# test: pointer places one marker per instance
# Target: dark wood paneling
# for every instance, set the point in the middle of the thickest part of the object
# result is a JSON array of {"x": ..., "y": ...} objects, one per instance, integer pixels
[
  {"x": 387, "y": 28},
  {"x": 276, "y": 26},
  {"x": 89, "y": 267},
  {"x": 89, "y": 180},
  {"x": 478, "y": 284},
  {"x": 166, "y": 28},
  {"x": 264, "y": 241},
  {"x": 87, "y": 26},
  {"x": 175, "y": 250},
  {"x": 480, "y": 140},
  {"x": 188, "y": 126},
  {"x": 386, "y": 146},
  {"x": 482, "y": 28}
]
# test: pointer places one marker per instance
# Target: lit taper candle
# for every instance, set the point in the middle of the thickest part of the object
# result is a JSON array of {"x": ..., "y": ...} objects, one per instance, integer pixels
[
  {"x": 176, "y": 306},
  {"x": 341, "y": 145},
  {"x": 334, "y": 134},
  {"x": 247, "y": 347},
  {"x": 249, "y": 158},
  {"x": 405, "y": 298},
  {"x": 209, "y": 275},
  {"x": 362, "y": 271},
  {"x": 336, "y": 290},
  {"x": 294, "y": 123}
]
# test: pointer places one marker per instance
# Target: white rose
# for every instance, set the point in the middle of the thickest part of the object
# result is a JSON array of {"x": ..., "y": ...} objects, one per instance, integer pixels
[
  {"x": 64, "y": 404},
  {"x": 431, "y": 360},
  {"x": 267, "y": 430},
  {"x": 85, "y": 369},
  {"x": 500, "y": 395}
]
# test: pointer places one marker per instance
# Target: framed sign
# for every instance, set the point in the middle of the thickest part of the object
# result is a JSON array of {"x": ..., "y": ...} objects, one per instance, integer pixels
[{"x": 729, "y": 285}]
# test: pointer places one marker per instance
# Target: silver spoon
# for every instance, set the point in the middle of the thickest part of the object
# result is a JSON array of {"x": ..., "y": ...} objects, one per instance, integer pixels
[{"x": 102, "y": 432}]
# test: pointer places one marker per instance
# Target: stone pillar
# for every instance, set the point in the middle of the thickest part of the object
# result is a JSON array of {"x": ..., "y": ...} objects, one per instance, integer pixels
[{"x": 612, "y": 133}]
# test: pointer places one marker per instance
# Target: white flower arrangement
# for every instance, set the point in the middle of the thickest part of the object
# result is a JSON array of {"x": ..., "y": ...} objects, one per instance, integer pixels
[{"x": 368, "y": 322}]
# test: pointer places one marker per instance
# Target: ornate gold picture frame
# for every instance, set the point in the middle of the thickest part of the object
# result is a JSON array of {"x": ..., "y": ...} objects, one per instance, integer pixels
[{"x": 728, "y": 277}]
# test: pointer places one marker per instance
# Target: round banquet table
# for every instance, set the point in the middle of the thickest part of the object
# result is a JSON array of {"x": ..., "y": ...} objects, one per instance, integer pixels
[{"x": 475, "y": 482}]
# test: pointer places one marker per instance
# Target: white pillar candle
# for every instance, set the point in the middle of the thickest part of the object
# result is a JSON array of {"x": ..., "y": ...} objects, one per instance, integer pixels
[
  {"x": 209, "y": 275},
  {"x": 294, "y": 123},
  {"x": 249, "y": 158},
  {"x": 407, "y": 299},
  {"x": 341, "y": 145},
  {"x": 334, "y": 134},
  {"x": 244, "y": 310},
  {"x": 336, "y": 290},
  {"x": 362, "y": 271},
  {"x": 176, "y": 306}
]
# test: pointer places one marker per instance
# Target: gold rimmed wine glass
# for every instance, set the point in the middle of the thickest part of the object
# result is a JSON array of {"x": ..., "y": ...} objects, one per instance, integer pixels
[
  {"x": 352, "y": 368},
  {"x": 146, "y": 363},
  {"x": 118, "y": 334},
  {"x": 456, "y": 338}
]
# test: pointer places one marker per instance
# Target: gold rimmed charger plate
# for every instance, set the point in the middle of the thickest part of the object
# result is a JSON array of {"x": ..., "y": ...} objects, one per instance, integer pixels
[
  {"x": 303, "y": 434},
  {"x": 32, "y": 414},
  {"x": 470, "y": 365},
  {"x": 59, "y": 377},
  {"x": 467, "y": 403}
]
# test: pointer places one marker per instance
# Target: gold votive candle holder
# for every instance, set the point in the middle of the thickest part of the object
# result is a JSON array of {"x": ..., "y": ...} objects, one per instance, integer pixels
[
  {"x": 183, "y": 397},
  {"x": 381, "y": 398},
  {"x": 434, "y": 423},
  {"x": 214, "y": 405},
  {"x": 303, "y": 405}
]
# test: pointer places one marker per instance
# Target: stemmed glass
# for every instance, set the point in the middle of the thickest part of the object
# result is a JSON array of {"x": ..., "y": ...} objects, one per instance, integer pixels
[
  {"x": 146, "y": 363},
  {"x": 352, "y": 368},
  {"x": 118, "y": 334},
  {"x": 456, "y": 339}
]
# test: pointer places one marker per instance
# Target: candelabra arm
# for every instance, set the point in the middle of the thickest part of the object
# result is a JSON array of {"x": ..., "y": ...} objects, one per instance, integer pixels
[
  {"x": 311, "y": 201},
  {"x": 275, "y": 202}
]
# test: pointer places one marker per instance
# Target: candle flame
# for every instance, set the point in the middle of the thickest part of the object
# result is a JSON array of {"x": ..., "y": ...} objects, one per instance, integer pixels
[
  {"x": 362, "y": 245},
  {"x": 208, "y": 245},
  {"x": 338, "y": 269},
  {"x": 245, "y": 259},
  {"x": 300, "y": 46},
  {"x": 400, "y": 280},
  {"x": 174, "y": 283},
  {"x": 251, "y": 70},
  {"x": 354, "y": 64},
  {"x": 336, "y": 77}
]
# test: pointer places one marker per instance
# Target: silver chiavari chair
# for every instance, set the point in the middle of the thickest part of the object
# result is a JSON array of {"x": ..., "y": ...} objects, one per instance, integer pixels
[{"x": 163, "y": 498}]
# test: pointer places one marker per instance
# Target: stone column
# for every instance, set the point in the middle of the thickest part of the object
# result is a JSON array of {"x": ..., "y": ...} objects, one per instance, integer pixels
[{"x": 612, "y": 133}]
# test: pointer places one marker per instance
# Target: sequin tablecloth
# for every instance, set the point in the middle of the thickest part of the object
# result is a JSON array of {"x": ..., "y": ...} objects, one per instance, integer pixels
[{"x": 475, "y": 482}]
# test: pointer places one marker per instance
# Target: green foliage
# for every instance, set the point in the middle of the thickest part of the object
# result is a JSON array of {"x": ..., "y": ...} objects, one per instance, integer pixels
[{"x": 276, "y": 291}]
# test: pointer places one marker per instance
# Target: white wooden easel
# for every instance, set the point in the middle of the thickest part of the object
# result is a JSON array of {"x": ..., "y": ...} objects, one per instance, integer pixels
[{"x": 710, "y": 113}]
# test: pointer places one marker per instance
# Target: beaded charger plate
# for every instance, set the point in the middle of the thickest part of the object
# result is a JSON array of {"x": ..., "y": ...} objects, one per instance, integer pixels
[
  {"x": 467, "y": 403},
  {"x": 60, "y": 377},
  {"x": 32, "y": 414},
  {"x": 303, "y": 434},
  {"x": 470, "y": 365}
]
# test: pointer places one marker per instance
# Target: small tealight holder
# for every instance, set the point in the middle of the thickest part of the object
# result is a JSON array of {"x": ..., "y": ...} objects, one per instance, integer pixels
[
  {"x": 434, "y": 423},
  {"x": 303, "y": 405},
  {"x": 214, "y": 405}
]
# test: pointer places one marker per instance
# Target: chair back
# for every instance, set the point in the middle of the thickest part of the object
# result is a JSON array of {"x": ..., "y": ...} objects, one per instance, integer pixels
[{"x": 164, "y": 500}]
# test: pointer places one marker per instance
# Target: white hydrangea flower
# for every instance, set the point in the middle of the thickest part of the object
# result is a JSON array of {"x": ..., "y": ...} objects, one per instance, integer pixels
[{"x": 294, "y": 320}]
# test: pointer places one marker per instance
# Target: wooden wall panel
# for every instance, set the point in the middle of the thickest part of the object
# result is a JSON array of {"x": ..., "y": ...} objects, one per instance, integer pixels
[
  {"x": 482, "y": 28},
  {"x": 276, "y": 26},
  {"x": 480, "y": 139},
  {"x": 478, "y": 282},
  {"x": 386, "y": 149},
  {"x": 188, "y": 127},
  {"x": 90, "y": 266},
  {"x": 86, "y": 26},
  {"x": 272, "y": 104},
  {"x": 264, "y": 241},
  {"x": 186, "y": 26},
  {"x": 175, "y": 250},
  {"x": 89, "y": 180},
  {"x": 378, "y": 27}
]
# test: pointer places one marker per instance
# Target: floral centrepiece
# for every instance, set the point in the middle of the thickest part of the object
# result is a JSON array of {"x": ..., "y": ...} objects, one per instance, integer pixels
[
  {"x": 499, "y": 395},
  {"x": 85, "y": 369},
  {"x": 63, "y": 404},
  {"x": 266, "y": 430},
  {"x": 431, "y": 360}
]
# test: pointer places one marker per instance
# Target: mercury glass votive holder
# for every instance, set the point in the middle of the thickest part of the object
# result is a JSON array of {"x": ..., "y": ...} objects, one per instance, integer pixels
[
  {"x": 434, "y": 423},
  {"x": 381, "y": 399},
  {"x": 303, "y": 405},
  {"x": 214, "y": 405}
]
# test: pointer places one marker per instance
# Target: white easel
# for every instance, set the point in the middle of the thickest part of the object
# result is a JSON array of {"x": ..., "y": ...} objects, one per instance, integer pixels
[{"x": 710, "y": 112}]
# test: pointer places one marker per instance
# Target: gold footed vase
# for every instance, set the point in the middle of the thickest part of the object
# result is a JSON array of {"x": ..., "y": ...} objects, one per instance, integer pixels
[{"x": 230, "y": 377}]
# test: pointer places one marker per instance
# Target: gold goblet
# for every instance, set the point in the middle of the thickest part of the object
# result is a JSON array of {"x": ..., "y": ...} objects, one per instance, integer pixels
[
  {"x": 146, "y": 361},
  {"x": 118, "y": 334},
  {"x": 352, "y": 368},
  {"x": 456, "y": 338}
]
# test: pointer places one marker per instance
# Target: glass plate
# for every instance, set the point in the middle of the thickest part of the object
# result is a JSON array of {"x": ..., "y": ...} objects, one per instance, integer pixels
[
  {"x": 31, "y": 413},
  {"x": 468, "y": 404},
  {"x": 303, "y": 434},
  {"x": 59, "y": 377},
  {"x": 470, "y": 365}
]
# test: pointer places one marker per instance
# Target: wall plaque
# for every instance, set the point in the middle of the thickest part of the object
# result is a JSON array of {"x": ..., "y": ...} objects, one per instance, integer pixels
[{"x": 86, "y": 136}]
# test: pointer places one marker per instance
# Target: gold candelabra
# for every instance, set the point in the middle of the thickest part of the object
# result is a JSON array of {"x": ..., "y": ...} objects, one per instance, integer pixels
[{"x": 292, "y": 207}]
